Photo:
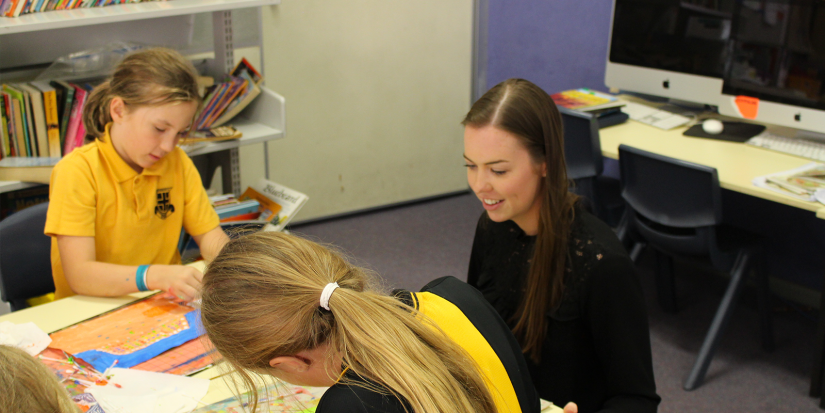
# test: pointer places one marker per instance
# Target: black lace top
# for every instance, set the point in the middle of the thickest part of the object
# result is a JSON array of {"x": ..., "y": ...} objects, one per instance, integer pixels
[{"x": 597, "y": 349}]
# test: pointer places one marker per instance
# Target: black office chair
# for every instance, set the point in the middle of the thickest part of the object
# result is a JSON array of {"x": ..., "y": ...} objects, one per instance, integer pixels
[
  {"x": 25, "y": 262},
  {"x": 675, "y": 207},
  {"x": 583, "y": 155}
]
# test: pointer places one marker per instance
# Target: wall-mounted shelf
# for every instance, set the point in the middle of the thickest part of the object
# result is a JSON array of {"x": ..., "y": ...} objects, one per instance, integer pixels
[
  {"x": 119, "y": 13},
  {"x": 262, "y": 121}
]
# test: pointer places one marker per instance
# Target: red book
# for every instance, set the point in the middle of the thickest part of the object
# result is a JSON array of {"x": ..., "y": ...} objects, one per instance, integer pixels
[{"x": 75, "y": 121}]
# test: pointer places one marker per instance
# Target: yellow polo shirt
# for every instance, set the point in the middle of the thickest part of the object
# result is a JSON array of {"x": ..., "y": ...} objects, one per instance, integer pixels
[{"x": 135, "y": 218}]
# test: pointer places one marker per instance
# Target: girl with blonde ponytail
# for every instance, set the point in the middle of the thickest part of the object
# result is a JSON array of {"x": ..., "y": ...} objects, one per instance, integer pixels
[{"x": 278, "y": 305}]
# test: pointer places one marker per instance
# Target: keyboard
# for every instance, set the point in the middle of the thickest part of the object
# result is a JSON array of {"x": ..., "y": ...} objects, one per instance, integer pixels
[{"x": 792, "y": 146}]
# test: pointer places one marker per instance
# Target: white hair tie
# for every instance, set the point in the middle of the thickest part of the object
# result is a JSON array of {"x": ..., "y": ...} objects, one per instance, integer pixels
[{"x": 326, "y": 294}]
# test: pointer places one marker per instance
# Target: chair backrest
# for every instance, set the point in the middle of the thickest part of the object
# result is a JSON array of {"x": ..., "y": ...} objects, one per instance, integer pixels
[
  {"x": 582, "y": 149},
  {"x": 669, "y": 191},
  {"x": 25, "y": 261}
]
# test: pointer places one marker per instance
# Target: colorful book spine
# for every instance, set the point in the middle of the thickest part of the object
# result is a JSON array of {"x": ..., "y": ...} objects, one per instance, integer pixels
[
  {"x": 75, "y": 119},
  {"x": 49, "y": 95},
  {"x": 235, "y": 87},
  {"x": 21, "y": 129},
  {"x": 209, "y": 106},
  {"x": 7, "y": 105},
  {"x": 4, "y": 134},
  {"x": 18, "y": 125},
  {"x": 65, "y": 114},
  {"x": 38, "y": 117},
  {"x": 28, "y": 123}
]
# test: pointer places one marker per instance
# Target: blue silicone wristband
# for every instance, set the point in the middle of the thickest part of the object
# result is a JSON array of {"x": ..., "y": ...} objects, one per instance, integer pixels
[{"x": 140, "y": 278}]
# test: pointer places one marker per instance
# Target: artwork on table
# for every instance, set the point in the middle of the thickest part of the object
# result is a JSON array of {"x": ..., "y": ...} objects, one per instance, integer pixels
[
  {"x": 160, "y": 326},
  {"x": 276, "y": 398},
  {"x": 186, "y": 359},
  {"x": 75, "y": 375}
]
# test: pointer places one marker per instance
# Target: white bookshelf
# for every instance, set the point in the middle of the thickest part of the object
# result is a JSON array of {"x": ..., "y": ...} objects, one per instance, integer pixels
[
  {"x": 261, "y": 122},
  {"x": 120, "y": 13}
]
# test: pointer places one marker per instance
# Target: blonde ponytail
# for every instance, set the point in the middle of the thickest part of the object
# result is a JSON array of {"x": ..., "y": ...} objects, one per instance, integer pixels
[{"x": 261, "y": 300}]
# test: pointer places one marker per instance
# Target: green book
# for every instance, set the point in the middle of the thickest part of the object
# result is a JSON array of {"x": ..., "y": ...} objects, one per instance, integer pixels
[{"x": 19, "y": 105}]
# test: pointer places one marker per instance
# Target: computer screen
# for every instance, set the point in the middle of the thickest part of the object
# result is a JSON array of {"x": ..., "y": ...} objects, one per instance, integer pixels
[
  {"x": 776, "y": 70},
  {"x": 670, "y": 48}
]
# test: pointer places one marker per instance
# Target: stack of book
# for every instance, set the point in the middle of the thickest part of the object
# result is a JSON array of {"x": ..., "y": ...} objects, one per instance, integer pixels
[
  {"x": 225, "y": 100},
  {"x": 230, "y": 209},
  {"x": 586, "y": 100},
  {"x": 42, "y": 119},
  {"x": 606, "y": 108},
  {"x": 14, "y": 8}
]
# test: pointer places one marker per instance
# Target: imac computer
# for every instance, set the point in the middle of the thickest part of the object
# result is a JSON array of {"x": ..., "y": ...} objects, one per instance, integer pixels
[
  {"x": 776, "y": 70},
  {"x": 670, "y": 48}
]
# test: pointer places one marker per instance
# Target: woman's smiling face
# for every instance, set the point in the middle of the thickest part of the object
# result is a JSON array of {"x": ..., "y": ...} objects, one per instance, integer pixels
[{"x": 504, "y": 176}]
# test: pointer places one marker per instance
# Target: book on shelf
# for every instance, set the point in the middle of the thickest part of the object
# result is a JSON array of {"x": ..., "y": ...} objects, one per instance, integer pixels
[
  {"x": 4, "y": 133},
  {"x": 15, "y": 108},
  {"x": 279, "y": 204},
  {"x": 215, "y": 134},
  {"x": 585, "y": 100},
  {"x": 49, "y": 94},
  {"x": 227, "y": 99},
  {"x": 15, "y": 8},
  {"x": 40, "y": 141},
  {"x": 65, "y": 94},
  {"x": 75, "y": 131}
]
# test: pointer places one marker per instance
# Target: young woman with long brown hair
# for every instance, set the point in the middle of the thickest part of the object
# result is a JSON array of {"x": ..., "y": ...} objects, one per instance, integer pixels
[
  {"x": 279, "y": 305},
  {"x": 557, "y": 274}
]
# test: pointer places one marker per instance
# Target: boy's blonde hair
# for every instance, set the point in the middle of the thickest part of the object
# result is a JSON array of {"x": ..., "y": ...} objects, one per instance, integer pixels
[
  {"x": 147, "y": 77},
  {"x": 261, "y": 300},
  {"x": 29, "y": 386}
]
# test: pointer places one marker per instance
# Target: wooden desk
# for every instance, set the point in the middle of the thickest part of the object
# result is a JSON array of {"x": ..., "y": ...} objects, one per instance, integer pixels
[{"x": 736, "y": 163}]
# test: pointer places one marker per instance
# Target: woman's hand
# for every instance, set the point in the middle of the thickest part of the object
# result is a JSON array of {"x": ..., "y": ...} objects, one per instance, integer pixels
[
  {"x": 571, "y": 408},
  {"x": 181, "y": 280}
]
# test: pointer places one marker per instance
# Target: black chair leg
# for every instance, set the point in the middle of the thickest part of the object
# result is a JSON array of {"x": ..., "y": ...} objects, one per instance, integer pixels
[
  {"x": 720, "y": 321},
  {"x": 637, "y": 250},
  {"x": 665, "y": 282},
  {"x": 817, "y": 372},
  {"x": 763, "y": 289}
]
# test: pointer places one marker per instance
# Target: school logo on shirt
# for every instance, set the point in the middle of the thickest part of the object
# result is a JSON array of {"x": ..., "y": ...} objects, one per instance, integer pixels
[{"x": 164, "y": 208}]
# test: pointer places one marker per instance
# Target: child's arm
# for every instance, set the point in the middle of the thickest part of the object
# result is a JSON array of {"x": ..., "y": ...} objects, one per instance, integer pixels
[
  {"x": 87, "y": 276},
  {"x": 211, "y": 242}
]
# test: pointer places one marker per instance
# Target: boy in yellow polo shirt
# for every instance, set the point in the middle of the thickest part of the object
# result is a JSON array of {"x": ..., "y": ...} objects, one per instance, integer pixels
[{"x": 117, "y": 204}]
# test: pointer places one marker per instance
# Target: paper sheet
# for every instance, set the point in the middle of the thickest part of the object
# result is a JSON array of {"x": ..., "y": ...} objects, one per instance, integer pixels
[
  {"x": 27, "y": 337},
  {"x": 136, "y": 391}
]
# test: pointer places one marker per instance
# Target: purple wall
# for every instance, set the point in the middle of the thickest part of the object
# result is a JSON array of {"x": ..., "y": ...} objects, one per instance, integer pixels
[{"x": 556, "y": 44}]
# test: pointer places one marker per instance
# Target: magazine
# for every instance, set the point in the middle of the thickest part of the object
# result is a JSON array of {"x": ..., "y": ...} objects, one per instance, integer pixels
[
  {"x": 586, "y": 100},
  {"x": 801, "y": 183},
  {"x": 279, "y": 204}
]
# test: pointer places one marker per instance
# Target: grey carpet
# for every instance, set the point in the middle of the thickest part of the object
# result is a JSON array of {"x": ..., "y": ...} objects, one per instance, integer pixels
[{"x": 410, "y": 245}]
